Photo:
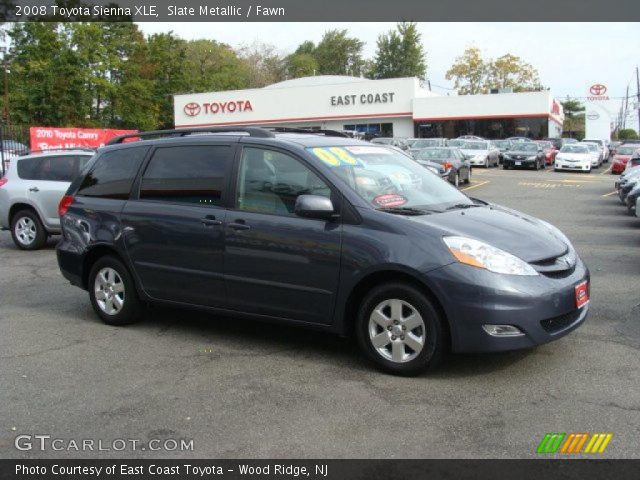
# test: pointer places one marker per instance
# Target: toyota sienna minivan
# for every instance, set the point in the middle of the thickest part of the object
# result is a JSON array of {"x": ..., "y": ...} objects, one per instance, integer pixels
[{"x": 317, "y": 230}]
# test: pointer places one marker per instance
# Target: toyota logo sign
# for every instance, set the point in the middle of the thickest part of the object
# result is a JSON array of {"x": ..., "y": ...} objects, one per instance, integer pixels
[
  {"x": 192, "y": 109},
  {"x": 598, "y": 89}
]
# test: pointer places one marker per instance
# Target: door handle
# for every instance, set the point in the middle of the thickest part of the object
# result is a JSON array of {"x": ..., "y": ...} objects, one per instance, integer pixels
[
  {"x": 239, "y": 225},
  {"x": 34, "y": 189},
  {"x": 210, "y": 221}
]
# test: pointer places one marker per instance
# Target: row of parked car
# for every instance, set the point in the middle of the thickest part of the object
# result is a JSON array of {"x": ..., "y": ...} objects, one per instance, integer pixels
[
  {"x": 453, "y": 159},
  {"x": 628, "y": 185}
]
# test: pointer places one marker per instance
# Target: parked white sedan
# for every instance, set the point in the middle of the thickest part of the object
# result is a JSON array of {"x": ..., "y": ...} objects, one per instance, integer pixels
[
  {"x": 574, "y": 156},
  {"x": 481, "y": 153}
]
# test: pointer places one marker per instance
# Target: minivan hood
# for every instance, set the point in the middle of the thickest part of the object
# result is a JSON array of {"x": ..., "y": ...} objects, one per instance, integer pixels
[{"x": 511, "y": 231}]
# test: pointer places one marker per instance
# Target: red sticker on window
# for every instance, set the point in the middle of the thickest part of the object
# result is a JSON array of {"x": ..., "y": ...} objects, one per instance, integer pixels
[{"x": 390, "y": 200}]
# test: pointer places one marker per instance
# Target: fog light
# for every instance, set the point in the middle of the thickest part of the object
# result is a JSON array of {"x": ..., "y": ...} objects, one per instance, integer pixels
[{"x": 503, "y": 330}]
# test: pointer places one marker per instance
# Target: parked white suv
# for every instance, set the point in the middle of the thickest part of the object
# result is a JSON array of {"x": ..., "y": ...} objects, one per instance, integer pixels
[{"x": 30, "y": 193}]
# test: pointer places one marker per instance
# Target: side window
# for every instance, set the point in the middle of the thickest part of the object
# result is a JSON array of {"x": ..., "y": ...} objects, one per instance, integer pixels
[
  {"x": 113, "y": 173},
  {"x": 188, "y": 174},
  {"x": 270, "y": 182},
  {"x": 29, "y": 168}
]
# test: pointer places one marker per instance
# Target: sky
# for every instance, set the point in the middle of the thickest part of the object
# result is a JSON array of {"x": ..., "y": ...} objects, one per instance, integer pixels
[{"x": 569, "y": 57}]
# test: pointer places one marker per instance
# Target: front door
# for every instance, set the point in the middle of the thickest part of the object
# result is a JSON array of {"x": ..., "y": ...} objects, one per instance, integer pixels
[
  {"x": 173, "y": 230},
  {"x": 277, "y": 263}
]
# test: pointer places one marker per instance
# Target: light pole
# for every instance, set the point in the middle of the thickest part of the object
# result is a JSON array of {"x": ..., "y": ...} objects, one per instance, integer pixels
[{"x": 5, "y": 69}]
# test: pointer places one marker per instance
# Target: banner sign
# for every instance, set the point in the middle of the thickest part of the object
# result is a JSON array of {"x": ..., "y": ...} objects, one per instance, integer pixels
[{"x": 51, "y": 138}]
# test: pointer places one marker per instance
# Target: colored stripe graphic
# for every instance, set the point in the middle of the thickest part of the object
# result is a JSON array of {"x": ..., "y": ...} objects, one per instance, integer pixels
[
  {"x": 598, "y": 443},
  {"x": 574, "y": 442},
  {"x": 550, "y": 442}
]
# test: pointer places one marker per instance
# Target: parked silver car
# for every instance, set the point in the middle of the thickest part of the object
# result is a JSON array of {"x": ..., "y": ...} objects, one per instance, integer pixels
[{"x": 30, "y": 193}]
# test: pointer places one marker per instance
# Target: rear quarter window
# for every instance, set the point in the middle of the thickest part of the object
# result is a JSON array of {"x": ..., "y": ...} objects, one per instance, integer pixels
[
  {"x": 62, "y": 168},
  {"x": 112, "y": 174}
]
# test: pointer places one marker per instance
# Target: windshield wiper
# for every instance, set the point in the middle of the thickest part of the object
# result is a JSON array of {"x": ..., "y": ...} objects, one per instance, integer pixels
[
  {"x": 459, "y": 206},
  {"x": 407, "y": 210}
]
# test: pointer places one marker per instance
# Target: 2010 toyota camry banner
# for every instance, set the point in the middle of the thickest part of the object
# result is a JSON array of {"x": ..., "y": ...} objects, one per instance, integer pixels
[{"x": 50, "y": 138}]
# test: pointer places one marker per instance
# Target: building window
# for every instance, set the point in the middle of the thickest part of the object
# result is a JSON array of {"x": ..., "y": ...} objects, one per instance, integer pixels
[
  {"x": 535, "y": 128},
  {"x": 377, "y": 129}
]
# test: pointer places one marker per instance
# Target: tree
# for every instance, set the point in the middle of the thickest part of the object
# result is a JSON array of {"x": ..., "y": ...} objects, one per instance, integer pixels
[
  {"x": 474, "y": 75},
  {"x": 46, "y": 85},
  {"x": 400, "y": 53},
  {"x": 301, "y": 65},
  {"x": 574, "y": 120},
  {"x": 263, "y": 64},
  {"x": 338, "y": 54},
  {"x": 214, "y": 66},
  {"x": 510, "y": 71},
  {"x": 627, "y": 134},
  {"x": 469, "y": 72}
]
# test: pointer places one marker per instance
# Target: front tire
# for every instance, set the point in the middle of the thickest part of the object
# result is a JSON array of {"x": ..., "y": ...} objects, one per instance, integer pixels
[
  {"x": 27, "y": 230},
  {"x": 113, "y": 293},
  {"x": 399, "y": 330}
]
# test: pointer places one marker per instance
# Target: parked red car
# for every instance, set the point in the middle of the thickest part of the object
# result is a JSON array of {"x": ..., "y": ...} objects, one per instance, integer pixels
[
  {"x": 622, "y": 156},
  {"x": 549, "y": 150}
]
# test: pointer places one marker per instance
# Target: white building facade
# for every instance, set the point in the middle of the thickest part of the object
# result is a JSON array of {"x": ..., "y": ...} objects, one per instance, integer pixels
[{"x": 398, "y": 107}]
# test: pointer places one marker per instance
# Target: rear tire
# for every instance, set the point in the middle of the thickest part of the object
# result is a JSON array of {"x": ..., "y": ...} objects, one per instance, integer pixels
[
  {"x": 399, "y": 330},
  {"x": 27, "y": 230},
  {"x": 113, "y": 293}
]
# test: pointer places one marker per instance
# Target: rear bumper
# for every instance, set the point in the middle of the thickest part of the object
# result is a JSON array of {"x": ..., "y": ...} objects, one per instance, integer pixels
[
  {"x": 70, "y": 262},
  {"x": 542, "y": 308}
]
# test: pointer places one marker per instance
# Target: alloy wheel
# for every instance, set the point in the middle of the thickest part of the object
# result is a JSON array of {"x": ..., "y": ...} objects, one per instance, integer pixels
[
  {"x": 25, "y": 230},
  {"x": 109, "y": 291},
  {"x": 397, "y": 330}
]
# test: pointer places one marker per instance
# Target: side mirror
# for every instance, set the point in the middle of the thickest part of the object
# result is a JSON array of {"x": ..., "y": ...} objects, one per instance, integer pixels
[{"x": 314, "y": 206}]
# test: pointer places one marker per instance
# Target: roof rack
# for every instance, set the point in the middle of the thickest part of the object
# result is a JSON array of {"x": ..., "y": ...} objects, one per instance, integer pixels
[
  {"x": 326, "y": 133},
  {"x": 182, "y": 132},
  {"x": 61, "y": 149}
]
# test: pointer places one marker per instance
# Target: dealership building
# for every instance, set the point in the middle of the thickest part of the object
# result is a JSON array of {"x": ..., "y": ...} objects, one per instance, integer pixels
[{"x": 399, "y": 107}]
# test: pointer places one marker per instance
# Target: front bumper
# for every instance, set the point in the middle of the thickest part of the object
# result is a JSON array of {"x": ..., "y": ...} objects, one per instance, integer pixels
[
  {"x": 519, "y": 163},
  {"x": 542, "y": 307},
  {"x": 567, "y": 165}
]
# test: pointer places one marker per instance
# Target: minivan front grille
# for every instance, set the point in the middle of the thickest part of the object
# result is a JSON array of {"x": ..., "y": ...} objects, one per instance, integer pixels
[
  {"x": 556, "y": 265},
  {"x": 562, "y": 322}
]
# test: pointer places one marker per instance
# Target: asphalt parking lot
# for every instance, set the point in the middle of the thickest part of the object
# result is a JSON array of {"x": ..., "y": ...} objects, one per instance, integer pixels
[{"x": 245, "y": 389}]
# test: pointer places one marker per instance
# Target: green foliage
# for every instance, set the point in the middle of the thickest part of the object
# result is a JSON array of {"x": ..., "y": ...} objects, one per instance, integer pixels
[
  {"x": 338, "y": 54},
  {"x": 627, "y": 134},
  {"x": 574, "y": 118},
  {"x": 400, "y": 53},
  {"x": 475, "y": 75}
]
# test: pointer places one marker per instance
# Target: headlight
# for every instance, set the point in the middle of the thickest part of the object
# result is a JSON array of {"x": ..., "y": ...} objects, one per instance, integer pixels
[
  {"x": 479, "y": 254},
  {"x": 533, "y": 157}
]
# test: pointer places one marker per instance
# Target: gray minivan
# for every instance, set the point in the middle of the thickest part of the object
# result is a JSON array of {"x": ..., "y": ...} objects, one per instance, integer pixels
[{"x": 320, "y": 231}]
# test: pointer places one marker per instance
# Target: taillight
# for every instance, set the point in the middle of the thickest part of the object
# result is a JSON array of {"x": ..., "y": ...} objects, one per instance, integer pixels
[
  {"x": 64, "y": 204},
  {"x": 447, "y": 165},
  {"x": 3, "y": 181}
]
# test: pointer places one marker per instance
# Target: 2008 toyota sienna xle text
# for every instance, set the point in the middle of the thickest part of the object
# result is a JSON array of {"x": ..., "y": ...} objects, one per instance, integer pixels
[{"x": 317, "y": 230}]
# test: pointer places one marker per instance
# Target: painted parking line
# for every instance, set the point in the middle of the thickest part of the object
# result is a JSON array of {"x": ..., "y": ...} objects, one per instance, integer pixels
[
  {"x": 606, "y": 171},
  {"x": 610, "y": 193},
  {"x": 475, "y": 186}
]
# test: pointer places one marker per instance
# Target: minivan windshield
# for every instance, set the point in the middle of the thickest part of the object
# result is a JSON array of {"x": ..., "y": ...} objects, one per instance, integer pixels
[{"x": 390, "y": 180}]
